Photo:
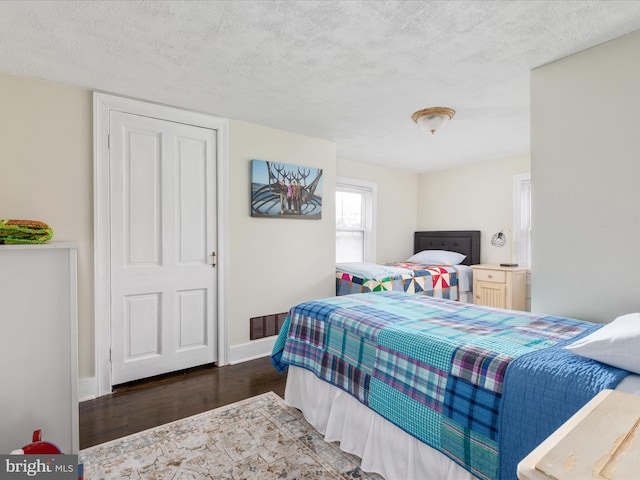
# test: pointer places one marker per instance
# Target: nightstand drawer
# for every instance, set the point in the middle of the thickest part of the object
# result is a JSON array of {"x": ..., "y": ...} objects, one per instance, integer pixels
[{"x": 491, "y": 276}]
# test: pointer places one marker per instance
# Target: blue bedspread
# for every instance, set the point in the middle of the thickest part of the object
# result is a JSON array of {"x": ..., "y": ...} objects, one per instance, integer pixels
[
  {"x": 472, "y": 382},
  {"x": 543, "y": 389}
]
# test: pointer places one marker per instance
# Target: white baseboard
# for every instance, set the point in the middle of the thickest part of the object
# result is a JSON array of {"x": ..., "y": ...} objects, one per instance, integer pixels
[
  {"x": 87, "y": 389},
  {"x": 252, "y": 350}
]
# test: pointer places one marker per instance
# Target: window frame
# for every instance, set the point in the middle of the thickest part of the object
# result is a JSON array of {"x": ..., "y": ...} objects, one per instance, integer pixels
[
  {"x": 369, "y": 191},
  {"x": 521, "y": 236}
]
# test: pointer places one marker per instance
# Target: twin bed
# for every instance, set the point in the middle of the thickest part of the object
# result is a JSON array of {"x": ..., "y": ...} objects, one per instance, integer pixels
[
  {"x": 440, "y": 267},
  {"x": 421, "y": 387}
]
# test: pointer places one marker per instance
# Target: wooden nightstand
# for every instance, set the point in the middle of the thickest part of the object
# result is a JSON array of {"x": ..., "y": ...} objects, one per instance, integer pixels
[
  {"x": 598, "y": 442},
  {"x": 500, "y": 287}
]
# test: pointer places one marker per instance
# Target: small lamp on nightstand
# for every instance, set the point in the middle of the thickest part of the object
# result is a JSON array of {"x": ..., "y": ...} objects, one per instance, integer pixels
[{"x": 499, "y": 240}]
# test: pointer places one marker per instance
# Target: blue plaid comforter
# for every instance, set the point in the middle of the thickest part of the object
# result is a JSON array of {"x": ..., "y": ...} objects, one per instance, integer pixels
[{"x": 436, "y": 368}]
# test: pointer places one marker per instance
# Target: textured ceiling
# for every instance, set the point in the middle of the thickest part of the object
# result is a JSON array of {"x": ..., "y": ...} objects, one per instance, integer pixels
[{"x": 351, "y": 72}]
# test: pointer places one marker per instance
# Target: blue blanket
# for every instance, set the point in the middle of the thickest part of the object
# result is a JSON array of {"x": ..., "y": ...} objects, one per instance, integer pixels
[
  {"x": 453, "y": 375},
  {"x": 543, "y": 390}
]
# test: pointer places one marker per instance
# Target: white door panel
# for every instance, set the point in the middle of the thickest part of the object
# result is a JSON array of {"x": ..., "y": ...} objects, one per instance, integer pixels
[
  {"x": 142, "y": 322},
  {"x": 192, "y": 319},
  {"x": 163, "y": 230},
  {"x": 140, "y": 196},
  {"x": 192, "y": 221}
]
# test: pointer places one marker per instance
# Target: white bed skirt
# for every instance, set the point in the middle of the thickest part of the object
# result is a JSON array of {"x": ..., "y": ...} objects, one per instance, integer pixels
[
  {"x": 384, "y": 448},
  {"x": 466, "y": 297}
]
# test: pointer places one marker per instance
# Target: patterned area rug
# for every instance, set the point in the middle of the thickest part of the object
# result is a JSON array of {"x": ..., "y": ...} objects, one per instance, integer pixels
[{"x": 258, "y": 438}]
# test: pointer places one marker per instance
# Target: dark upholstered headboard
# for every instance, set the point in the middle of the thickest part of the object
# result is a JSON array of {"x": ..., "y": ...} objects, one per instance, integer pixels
[{"x": 466, "y": 242}]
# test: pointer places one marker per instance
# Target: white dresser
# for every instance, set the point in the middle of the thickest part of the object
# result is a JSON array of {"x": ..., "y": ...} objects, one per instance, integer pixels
[{"x": 38, "y": 345}]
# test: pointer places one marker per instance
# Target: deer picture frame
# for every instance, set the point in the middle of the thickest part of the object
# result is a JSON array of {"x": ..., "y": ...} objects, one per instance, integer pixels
[{"x": 285, "y": 191}]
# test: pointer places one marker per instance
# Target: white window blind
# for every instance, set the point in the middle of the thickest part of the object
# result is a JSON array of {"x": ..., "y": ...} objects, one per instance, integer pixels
[
  {"x": 522, "y": 218},
  {"x": 355, "y": 233}
]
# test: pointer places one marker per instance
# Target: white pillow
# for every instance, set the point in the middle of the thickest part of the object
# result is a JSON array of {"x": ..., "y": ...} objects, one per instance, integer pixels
[
  {"x": 616, "y": 344},
  {"x": 437, "y": 257}
]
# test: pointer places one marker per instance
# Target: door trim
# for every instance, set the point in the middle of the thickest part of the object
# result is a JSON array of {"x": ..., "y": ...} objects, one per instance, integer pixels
[{"x": 102, "y": 105}]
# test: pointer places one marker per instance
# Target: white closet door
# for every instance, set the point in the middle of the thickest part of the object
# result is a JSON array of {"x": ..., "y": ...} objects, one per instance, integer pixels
[{"x": 163, "y": 231}]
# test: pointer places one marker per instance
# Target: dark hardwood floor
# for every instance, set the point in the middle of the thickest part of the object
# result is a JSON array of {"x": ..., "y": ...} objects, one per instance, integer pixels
[{"x": 138, "y": 406}]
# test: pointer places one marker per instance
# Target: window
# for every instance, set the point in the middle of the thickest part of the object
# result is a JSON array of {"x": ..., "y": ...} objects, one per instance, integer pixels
[
  {"x": 355, "y": 232},
  {"x": 522, "y": 218}
]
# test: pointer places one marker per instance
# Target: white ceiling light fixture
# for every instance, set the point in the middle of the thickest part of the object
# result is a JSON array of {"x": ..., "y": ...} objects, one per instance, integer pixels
[{"x": 433, "y": 118}]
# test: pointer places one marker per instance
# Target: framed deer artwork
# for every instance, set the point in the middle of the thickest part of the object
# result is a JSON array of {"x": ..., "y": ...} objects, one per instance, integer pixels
[{"x": 285, "y": 191}]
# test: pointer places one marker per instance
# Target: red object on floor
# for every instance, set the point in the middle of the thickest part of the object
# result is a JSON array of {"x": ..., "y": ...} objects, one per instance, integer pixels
[{"x": 38, "y": 447}]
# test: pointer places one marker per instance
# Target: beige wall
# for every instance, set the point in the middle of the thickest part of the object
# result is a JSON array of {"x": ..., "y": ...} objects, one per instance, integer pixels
[
  {"x": 46, "y": 174},
  {"x": 276, "y": 262},
  {"x": 397, "y": 207},
  {"x": 475, "y": 197},
  {"x": 585, "y": 170}
]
